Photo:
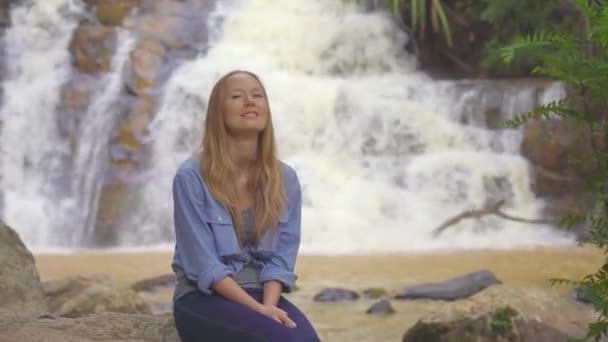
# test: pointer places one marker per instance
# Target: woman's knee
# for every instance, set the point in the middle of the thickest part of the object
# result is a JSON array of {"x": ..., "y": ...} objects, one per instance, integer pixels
[{"x": 304, "y": 330}]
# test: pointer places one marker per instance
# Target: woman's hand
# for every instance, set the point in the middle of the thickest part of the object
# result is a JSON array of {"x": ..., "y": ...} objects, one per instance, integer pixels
[{"x": 277, "y": 314}]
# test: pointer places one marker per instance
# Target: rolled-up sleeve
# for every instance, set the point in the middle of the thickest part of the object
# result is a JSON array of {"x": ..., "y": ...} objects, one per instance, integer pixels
[
  {"x": 281, "y": 265},
  {"x": 194, "y": 239}
]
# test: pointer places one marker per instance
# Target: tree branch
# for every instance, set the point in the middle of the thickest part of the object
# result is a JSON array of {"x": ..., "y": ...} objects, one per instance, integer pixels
[{"x": 478, "y": 213}]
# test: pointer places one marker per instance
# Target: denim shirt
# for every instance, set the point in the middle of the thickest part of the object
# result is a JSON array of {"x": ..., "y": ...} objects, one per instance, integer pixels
[{"x": 206, "y": 244}]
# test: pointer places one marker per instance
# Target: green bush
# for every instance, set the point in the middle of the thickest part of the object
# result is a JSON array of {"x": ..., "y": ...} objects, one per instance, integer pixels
[{"x": 580, "y": 61}]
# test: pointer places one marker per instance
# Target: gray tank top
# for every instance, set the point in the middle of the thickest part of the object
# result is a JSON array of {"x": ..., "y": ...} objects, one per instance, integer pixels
[{"x": 248, "y": 276}]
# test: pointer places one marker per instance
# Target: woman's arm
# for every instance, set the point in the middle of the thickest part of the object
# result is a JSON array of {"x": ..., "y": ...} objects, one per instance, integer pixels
[
  {"x": 272, "y": 292},
  {"x": 229, "y": 289},
  {"x": 281, "y": 265},
  {"x": 195, "y": 244}
]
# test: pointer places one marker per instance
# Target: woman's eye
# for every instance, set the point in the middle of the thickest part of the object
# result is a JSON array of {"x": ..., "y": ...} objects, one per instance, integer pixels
[
  {"x": 258, "y": 95},
  {"x": 236, "y": 96}
]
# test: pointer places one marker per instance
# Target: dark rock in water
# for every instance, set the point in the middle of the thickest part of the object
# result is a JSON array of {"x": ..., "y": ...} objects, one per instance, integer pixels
[
  {"x": 453, "y": 289},
  {"x": 503, "y": 324},
  {"x": 155, "y": 284},
  {"x": 374, "y": 293},
  {"x": 333, "y": 294},
  {"x": 380, "y": 308}
]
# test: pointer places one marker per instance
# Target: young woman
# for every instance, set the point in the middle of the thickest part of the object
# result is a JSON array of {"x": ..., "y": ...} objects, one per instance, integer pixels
[{"x": 237, "y": 213}]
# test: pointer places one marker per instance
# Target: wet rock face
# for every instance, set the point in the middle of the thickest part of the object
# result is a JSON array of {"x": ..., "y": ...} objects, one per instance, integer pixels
[
  {"x": 551, "y": 146},
  {"x": 167, "y": 33},
  {"x": 5, "y": 18},
  {"x": 92, "y": 48},
  {"x": 112, "y": 12}
]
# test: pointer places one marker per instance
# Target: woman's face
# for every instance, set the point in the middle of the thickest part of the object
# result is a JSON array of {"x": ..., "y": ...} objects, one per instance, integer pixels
[{"x": 245, "y": 107}]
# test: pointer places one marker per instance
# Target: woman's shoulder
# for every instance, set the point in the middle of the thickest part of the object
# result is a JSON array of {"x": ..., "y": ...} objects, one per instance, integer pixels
[
  {"x": 287, "y": 169},
  {"x": 189, "y": 168},
  {"x": 290, "y": 175}
]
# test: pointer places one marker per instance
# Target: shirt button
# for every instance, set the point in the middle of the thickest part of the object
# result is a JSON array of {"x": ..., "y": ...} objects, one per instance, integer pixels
[{"x": 219, "y": 218}]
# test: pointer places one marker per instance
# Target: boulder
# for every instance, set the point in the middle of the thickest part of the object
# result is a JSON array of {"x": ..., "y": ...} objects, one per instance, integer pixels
[
  {"x": 334, "y": 294},
  {"x": 21, "y": 294},
  {"x": 456, "y": 288},
  {"x": 108, "y": 326},
  {"x": 382, "y": 307},
  {"x": 80, "y": 296},
  {"x": 156, "y": 283},
  {"x": 542, "y": 304},
  {"x": 24, "y": 315},
  {"x": 502, "y": 324}
]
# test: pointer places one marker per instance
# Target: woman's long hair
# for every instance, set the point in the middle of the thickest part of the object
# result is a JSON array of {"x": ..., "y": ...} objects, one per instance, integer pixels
[{"x": 219, "y": 170}]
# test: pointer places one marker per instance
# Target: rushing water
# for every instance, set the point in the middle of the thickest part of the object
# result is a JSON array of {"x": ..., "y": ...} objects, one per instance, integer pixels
[
  {"x": 384, "y": 153},
  {"x": 51, "y": 192},
  {"x": 37, "y": 65}
]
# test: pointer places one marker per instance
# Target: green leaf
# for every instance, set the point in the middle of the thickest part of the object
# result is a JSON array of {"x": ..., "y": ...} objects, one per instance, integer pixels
[{"x": 444, "y": 21}]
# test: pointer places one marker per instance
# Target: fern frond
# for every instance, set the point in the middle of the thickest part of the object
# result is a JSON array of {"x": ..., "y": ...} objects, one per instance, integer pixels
[
  {"x": 559, "y": 107},
  {"x": 583, "y": 5},
  {"x": 530, "y": 45},
  {"x": 555, "y": 73},
  {"x": 600, "y": 27}
]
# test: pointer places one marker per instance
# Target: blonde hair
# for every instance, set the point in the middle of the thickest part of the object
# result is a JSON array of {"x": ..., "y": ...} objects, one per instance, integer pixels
[{"x": 219, "y": 171}]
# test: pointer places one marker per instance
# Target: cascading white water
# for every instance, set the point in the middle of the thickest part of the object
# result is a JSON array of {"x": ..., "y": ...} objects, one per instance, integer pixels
[
  {"x": 51, "y": 195},
  {"x": 384, "y": 153},
  {"x": 37, "y": 64},
  {"x": 91, "y": 160}
]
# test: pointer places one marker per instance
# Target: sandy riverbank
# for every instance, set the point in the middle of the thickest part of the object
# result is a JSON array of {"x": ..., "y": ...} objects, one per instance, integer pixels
[{"x": 517, "y": 269}]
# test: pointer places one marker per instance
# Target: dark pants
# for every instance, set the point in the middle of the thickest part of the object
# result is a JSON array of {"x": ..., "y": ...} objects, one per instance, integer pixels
[{"x": 211, "y": 318}]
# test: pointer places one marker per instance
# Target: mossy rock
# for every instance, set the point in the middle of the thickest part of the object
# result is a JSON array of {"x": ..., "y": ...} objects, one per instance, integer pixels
[
  {"x": 502, "y": 324},
  {"x": 501, "y": 321}
]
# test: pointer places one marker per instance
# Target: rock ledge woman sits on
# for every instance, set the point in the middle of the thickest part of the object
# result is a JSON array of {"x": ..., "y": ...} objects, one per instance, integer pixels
[{"x": 237, "y": 213}]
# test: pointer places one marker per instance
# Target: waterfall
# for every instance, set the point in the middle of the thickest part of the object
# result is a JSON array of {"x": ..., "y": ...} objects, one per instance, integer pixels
[
  {"x": 384, "y": 153},
  {"x": 91, "y": 162},
  {"x": 32, "y": 150},
  {"x": 51, "y": 192}
]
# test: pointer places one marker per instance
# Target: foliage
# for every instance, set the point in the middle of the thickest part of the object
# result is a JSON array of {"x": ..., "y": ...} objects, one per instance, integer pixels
[
  {"x": 418, "y": 16},
  {"x": 510, "y": 19},
  {"x": 501, "y": 321},
  {"x": 580, "y": 62},
  {"x": 421, "y": 11}
]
